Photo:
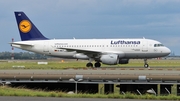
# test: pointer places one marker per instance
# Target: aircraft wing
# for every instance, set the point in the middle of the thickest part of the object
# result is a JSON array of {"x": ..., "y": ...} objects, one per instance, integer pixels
[
  {"x": 92, "y": 52},
  {"x": 85, "y": 51}
]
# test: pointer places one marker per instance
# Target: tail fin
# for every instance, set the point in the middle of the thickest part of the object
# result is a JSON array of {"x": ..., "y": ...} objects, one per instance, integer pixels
[{"x": 27, "y": 29}]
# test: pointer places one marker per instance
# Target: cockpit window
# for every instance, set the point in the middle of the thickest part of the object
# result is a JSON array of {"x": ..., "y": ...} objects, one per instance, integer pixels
[{"x": 158, "y": 45}]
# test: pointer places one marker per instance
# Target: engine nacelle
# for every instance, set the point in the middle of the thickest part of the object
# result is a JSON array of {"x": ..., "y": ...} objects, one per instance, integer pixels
[
  {"x": 123, "y": 61},
  {"x": 109, "y": 59}
]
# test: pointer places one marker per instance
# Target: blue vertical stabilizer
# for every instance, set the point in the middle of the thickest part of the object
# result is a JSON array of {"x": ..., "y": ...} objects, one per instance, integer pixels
[{"x": 27, "y": 29}]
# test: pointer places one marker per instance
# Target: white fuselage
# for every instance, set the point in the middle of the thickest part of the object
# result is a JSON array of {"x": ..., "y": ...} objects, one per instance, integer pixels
[{"x": 126, "y": 48}]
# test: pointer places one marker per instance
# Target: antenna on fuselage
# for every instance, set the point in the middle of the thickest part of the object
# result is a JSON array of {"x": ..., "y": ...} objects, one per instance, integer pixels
[{"x": 144, "y": 38}]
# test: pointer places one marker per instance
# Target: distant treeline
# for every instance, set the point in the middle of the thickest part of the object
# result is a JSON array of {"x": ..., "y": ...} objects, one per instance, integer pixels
[{"x": 22, "y": 55}]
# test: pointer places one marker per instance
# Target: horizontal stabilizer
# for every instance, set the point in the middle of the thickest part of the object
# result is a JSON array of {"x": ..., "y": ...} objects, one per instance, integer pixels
[{"x": 21, "y": 44}]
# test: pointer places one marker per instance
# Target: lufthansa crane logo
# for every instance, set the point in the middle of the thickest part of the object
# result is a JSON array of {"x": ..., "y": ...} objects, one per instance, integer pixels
[{"x": 25, "y": 26}]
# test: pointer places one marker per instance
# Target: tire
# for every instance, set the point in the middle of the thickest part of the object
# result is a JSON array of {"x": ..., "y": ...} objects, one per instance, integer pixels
[
  {"x": 97, "y": 64},
  {"x": 146, "y": 65},
  {"x": 89, "y": 65}
]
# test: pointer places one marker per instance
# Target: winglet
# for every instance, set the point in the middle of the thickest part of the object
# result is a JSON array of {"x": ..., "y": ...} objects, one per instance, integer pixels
[{"x": 27, "y": 29}]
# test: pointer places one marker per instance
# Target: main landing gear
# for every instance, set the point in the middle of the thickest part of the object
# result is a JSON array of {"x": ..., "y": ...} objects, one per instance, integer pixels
[
  {"x": 146, "y": 65},
  {"x": 89, "y": 64},
  {"x": 97, "y": 64}
]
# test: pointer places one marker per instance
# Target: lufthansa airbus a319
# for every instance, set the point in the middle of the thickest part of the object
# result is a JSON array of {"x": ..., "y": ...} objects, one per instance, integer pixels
[{"x": 106, "y": 51}]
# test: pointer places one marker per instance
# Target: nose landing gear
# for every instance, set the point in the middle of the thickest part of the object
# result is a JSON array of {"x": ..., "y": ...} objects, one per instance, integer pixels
[{"x": 146, "y": 65}]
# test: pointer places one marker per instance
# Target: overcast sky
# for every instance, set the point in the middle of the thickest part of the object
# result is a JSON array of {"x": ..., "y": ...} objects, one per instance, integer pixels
[{"x": 154, "y": 19}]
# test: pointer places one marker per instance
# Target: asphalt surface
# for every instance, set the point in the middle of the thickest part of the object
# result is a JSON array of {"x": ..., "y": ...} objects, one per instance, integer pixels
[
  {"x": 95, "y": 71},
  {"x": 12, "y": 98}
]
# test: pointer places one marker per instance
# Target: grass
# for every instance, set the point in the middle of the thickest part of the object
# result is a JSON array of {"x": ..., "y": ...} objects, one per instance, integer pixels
[
  {"x": 59, "y": 64},
  {"x": 8, "y": 91}
]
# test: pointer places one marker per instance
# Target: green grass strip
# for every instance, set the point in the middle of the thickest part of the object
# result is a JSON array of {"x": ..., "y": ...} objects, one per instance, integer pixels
[
  {"x": 8, "y": 91},
  {"x": 58, "y": 64}
]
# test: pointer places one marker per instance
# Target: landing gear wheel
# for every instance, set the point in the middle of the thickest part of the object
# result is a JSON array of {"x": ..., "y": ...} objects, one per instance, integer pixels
[
  {"x": 97, "y": 64},
  {"x": 146, "y": 65},
  {"x": 89, "y": 64}
]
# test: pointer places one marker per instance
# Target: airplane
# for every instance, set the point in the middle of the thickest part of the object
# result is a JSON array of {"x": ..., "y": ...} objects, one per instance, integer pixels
[{"x": 105, "y": 51}]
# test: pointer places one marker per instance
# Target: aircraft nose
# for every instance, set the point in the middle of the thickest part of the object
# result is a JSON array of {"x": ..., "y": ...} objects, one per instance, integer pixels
[{"x": 167, "y": 51}]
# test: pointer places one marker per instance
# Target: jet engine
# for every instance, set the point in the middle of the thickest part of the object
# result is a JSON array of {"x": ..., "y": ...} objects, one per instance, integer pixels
[{"x": 109, "y": 59}]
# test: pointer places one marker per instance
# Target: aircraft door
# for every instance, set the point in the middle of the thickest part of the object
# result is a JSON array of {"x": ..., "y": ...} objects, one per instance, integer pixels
[{"x": 145, "y": 46}]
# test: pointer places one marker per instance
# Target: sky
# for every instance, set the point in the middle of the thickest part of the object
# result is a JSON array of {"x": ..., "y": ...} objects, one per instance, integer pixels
[{"x": 59, "y": 19}]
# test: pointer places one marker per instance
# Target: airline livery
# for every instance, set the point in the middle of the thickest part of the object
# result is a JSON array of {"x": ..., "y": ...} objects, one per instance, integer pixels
[{"x": 106, "y": 51}]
